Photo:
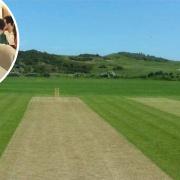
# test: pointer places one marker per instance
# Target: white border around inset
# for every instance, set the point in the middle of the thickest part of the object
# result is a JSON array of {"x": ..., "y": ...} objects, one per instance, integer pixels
[{"x": 18, "y": 42}]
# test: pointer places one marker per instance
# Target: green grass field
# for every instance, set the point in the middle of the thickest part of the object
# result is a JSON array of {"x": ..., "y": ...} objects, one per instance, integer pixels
[
  {"x": 12, "y": 108},
  {"x": 154, "y": 131},
  {"x": 83, "y": 87}
]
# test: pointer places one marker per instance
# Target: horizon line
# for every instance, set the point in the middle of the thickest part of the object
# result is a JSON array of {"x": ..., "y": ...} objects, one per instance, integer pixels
[{"x": 90, "y": 53}]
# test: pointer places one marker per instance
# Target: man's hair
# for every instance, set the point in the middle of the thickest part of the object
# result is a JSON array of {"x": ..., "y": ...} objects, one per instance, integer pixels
[
  {"x": 2, "y": 24},
  {"x": 9, "y": 19}
]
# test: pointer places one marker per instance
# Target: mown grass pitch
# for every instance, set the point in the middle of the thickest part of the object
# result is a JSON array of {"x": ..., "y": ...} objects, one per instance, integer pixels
[
  {"x": 164, "y": 104},
  {"x": 62, "y": 138},
  {"x": 154, "y": 131}
]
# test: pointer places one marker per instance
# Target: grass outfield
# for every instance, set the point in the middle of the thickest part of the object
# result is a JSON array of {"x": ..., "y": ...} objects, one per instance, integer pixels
[
  {"x": 79, "y": 87},
  {"x": 12, "y": 108},
  {"x": 155, "y": 132}
]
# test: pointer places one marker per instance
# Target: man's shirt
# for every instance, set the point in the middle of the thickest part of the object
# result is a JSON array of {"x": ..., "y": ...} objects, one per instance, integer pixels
[
  {"x": 10, "y": 38},
  {"x": 3, "y": 39}
]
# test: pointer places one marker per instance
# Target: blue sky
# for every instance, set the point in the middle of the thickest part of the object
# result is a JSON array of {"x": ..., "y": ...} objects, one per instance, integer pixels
[{"x": 99, "y": 26}]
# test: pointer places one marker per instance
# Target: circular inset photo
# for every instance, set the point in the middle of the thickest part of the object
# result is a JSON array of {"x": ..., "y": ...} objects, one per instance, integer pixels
[{"x": 9, "y": 40}]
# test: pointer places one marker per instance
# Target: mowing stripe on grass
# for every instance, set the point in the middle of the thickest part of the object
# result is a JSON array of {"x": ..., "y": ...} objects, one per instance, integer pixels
[
  {"x": 61, "y": 138},
  {"x": 164, "y": 104},
  {"x": 154, "y": 132}
]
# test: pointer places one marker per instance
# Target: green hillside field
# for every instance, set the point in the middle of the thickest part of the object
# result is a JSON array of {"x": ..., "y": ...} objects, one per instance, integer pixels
[
  {"x": 117, "y": 65},
  {"x": 154, "y": 131}
]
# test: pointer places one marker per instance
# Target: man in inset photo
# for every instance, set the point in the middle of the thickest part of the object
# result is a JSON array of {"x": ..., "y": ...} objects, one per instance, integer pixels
[
  {"x": 3, "y": 39},
  {"x": 7, "y": 54},
  {"x": 8, "y": 42},
  {"x": 10, "y": 31}
]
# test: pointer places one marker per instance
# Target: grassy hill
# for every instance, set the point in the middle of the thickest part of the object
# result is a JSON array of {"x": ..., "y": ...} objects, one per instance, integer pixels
[{"x": 117, "y": 65}]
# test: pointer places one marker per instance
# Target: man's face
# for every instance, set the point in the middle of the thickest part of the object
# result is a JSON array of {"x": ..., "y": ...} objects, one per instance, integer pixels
[{"x": 7, "y": 25}]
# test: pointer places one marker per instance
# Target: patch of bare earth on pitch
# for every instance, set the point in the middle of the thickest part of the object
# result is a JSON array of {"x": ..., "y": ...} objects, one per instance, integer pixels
[
  {"x": 63, "y": 139},
  {"x": 163, "y": 104}
]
